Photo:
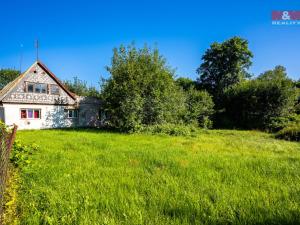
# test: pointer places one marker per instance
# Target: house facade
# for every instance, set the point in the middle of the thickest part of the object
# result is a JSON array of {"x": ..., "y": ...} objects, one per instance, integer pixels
[{"x": 38, "y": 100}]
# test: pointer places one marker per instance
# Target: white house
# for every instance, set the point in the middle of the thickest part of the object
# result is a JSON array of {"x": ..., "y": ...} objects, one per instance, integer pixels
[{"x": 38, "y": 100}]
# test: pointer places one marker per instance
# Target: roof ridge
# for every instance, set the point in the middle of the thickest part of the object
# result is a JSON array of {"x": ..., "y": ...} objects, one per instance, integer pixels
[{"x": 57, "y": 80}]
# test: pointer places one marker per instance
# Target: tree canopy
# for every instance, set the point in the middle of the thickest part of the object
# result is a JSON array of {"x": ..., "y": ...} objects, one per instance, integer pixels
[
  {"x": 255, "y": 103},
  {"x": 7, "y": 75},
  {"x": 141, "y": 90},
  {"x": 80, "y": 87},
  {"x": 224, "y": 64},
  {"x": 186, "y": 83}
]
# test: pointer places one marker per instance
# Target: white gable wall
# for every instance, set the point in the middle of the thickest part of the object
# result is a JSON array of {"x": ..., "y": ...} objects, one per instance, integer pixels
[
  {"x": 36, "y": 75},
  {"x": 52, "y": 116}
]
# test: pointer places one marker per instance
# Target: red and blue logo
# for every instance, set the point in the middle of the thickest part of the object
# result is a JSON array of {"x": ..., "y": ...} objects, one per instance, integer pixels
[{"x": 286, "y": 17}]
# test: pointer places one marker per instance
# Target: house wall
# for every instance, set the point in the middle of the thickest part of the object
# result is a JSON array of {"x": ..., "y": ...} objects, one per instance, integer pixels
[{"x": 52, "y": 116}]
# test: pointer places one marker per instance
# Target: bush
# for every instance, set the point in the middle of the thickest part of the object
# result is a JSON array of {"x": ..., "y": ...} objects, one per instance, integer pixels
[
  {"x": 20, "y": 153},
  {"x": 170, "y": 129},
  {"x": 200, "y": 107},
  {"x": 278, "y": 123},
  {"x": 256, "y": 103},
  {"x": 290, "y": 133}
]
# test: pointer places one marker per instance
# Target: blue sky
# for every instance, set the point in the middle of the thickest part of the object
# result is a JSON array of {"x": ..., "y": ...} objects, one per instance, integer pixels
[{"x": 77, "y": 37}]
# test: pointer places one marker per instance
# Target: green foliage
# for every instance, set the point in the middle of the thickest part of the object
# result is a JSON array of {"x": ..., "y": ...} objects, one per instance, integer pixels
[
  {"x": 287, "y": 128},
  {"x": 217, "y": 177},
  {"x": 185, "y": 83},
  {"x": 10, "y": 215},
  {"x": 170, "y": 129},
  {"x": 297, "y": 106},
  {"x": 290, "y": 133},
  {"x": 7, "y": 75},
  {"x": 224, "y": 64},
  {"x": 20, "y": 153},
  {"x": 3, "y": 126},
  {"x": 256, "y": 103},
  {"x": 297, "y": 83},
  {"x": 279, "y": 123},
  {"x": 199, "y": 108},
  {"x": 141, "y": 90},
  {"x": 81, "y": 88},
  {"x": 278, "y": 74}
]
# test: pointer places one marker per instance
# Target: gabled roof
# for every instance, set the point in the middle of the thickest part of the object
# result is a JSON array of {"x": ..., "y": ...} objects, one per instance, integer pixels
[{"x": 13, "y": 83}]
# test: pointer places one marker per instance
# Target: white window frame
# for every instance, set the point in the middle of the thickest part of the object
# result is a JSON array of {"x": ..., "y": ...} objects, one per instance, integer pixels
[{"x": 73, "y": 113}]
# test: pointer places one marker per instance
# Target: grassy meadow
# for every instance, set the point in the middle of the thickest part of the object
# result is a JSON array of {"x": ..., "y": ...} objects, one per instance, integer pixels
[{"x": 217, "y": 177}]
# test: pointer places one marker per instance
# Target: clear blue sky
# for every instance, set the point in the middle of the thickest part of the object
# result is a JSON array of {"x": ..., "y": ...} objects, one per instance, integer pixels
[{"x": 77, "y": 37}]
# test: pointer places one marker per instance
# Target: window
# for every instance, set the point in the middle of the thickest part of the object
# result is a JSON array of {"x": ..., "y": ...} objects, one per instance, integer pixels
[
  {"x": 23, "y": 114},
  {"x": 37, "y": 114},
  {"x": 43, "y": 88},
  {"x": 30, "y": 87},
  {"x": 72, "y": 113},
  {"x": 54, "y": 89},
  {"x": 37, "y": 88},
  {"x": 30, "y": 113}
]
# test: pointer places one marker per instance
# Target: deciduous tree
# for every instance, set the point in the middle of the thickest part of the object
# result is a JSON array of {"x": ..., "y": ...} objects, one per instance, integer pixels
[
  {"x": 141, "y": 90},
  {"x": 7, "y": 75},
  {"x": 224, "y": 64}
]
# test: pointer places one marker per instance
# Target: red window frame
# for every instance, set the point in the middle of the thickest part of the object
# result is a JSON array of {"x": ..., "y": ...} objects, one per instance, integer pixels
[
  {"x": 36, "y": 113},
  {"x": 23, "y": 113}
]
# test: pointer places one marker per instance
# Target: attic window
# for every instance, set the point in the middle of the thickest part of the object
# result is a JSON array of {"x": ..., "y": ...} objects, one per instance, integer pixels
[
  {"x": 54, "y": 89},
  {"x": 36, "y": 88},
  {"x": 30, "y": 87},
  {"x": 40, "y": 88}
]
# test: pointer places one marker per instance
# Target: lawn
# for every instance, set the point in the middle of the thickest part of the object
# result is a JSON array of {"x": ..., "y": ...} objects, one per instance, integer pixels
[{"x": 218, "y": 177}]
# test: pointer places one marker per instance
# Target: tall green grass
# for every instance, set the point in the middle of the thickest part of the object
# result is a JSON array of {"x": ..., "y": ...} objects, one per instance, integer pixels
[{"x": 219, "y": 177}]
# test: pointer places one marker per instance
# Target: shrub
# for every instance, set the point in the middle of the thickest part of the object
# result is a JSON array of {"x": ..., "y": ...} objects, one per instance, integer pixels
[
  {"x": 256, "y": 103},
  {"x": 290, "y": 133},
  {"x": 170, "y": 129},
  {"x": 20, "y": 153},
  {"x": 199, "y": 107},
  {"x": 278, "y": 123}
]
